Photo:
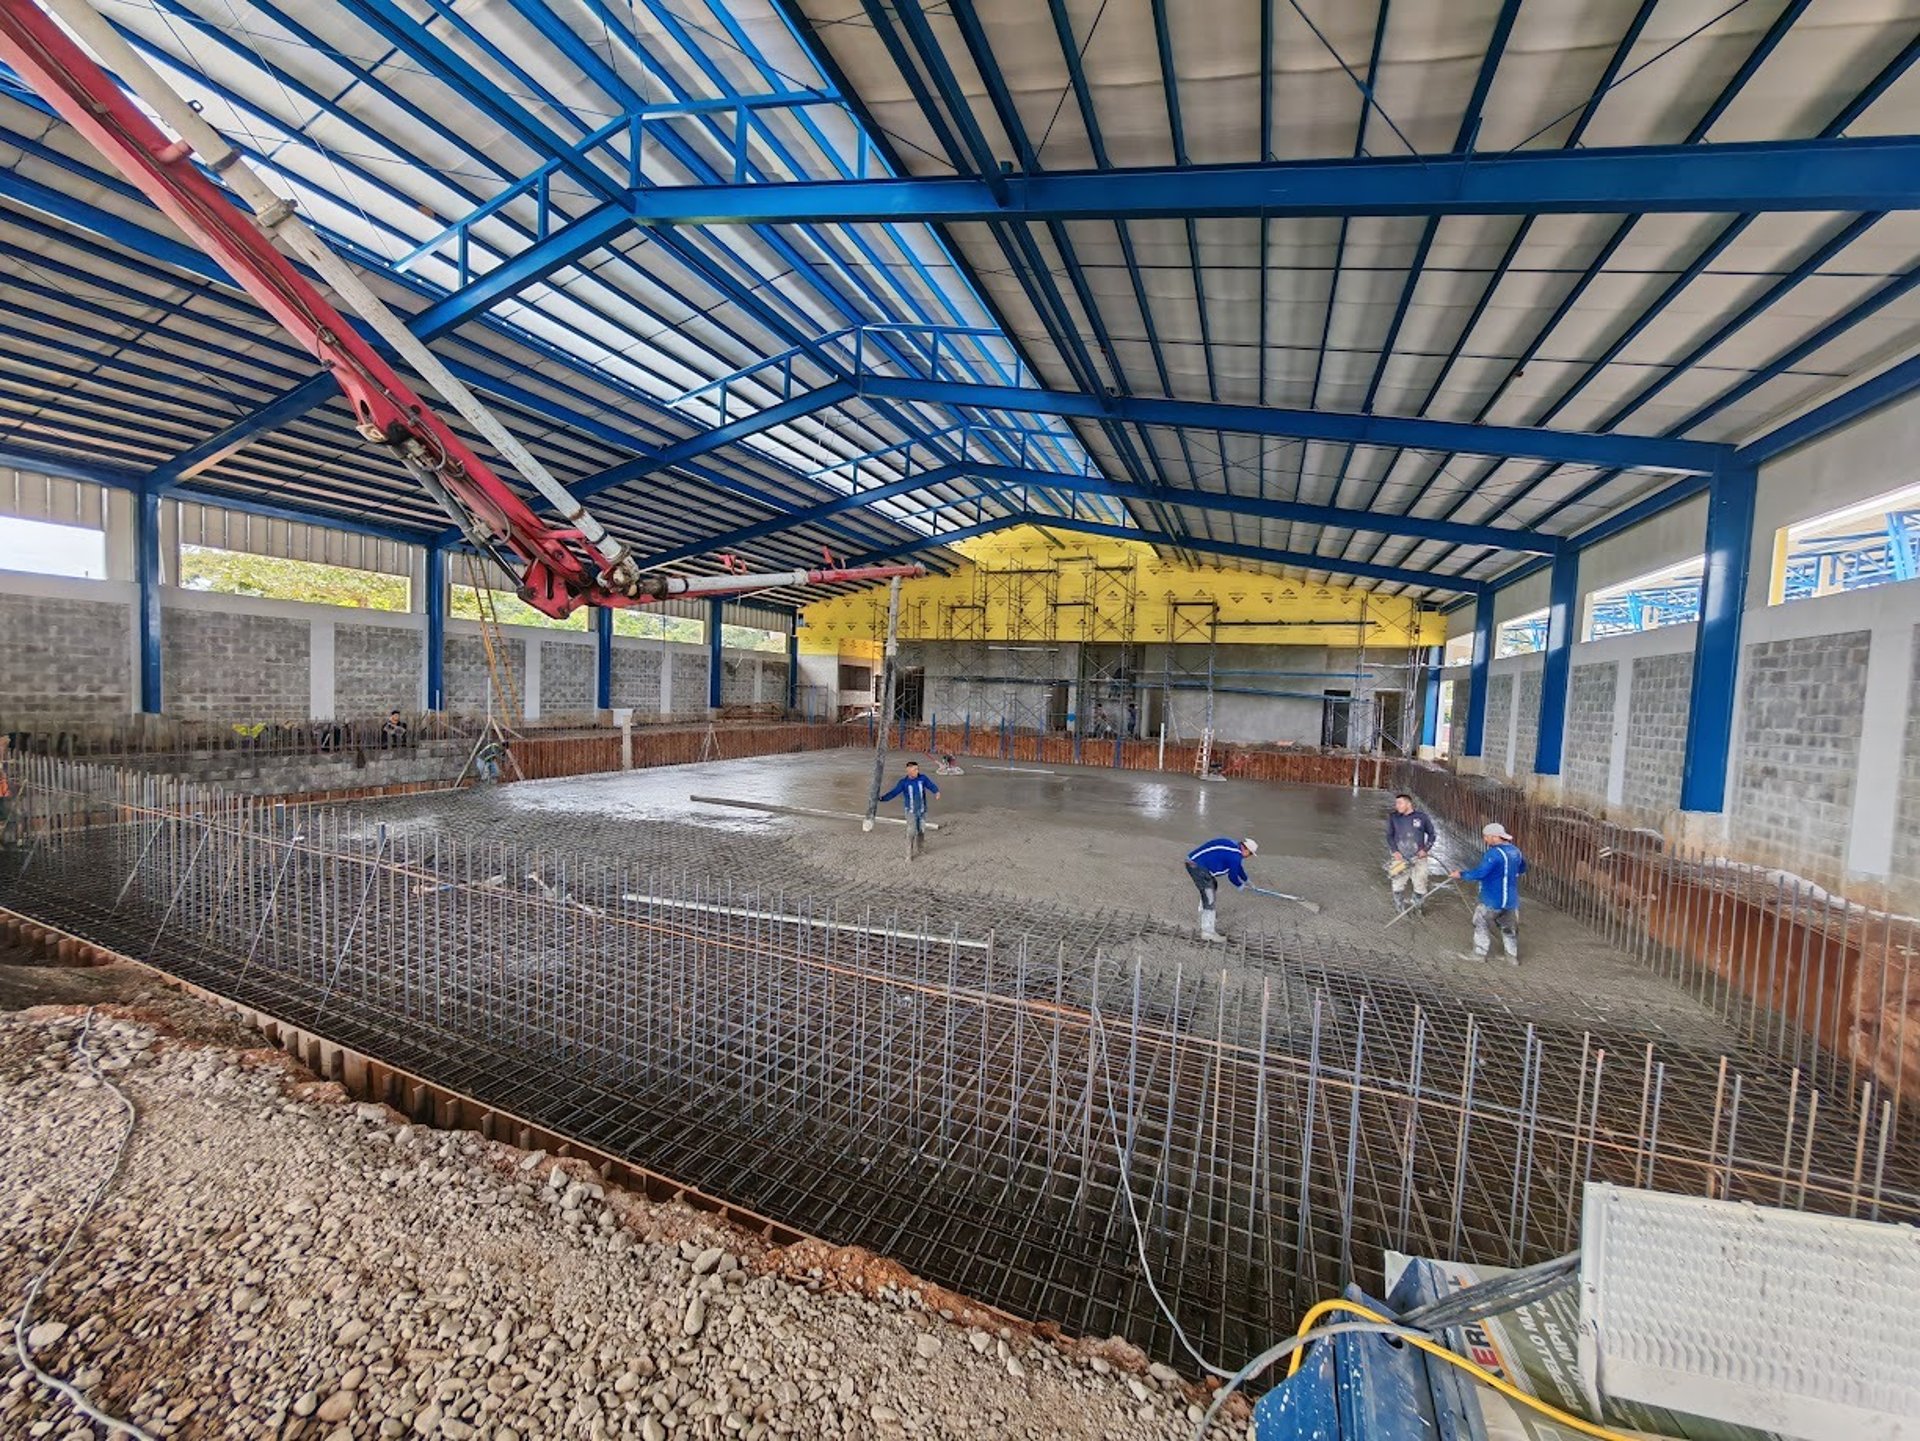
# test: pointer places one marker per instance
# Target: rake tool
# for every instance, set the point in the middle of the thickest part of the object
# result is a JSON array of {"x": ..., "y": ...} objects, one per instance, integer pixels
[
  {"x": 1313, "y": 906},
  {"x": 1401, "y": 916}
]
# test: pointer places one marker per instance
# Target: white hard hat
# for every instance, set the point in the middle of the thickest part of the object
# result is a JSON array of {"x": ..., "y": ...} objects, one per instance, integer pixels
[
  {"x": 1251, "y": 846},
  {"x": 1495, "y": 829}
]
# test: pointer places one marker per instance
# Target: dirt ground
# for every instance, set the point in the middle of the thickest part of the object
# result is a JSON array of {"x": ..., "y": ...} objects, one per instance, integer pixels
[{"x": 275, "y": 1261}]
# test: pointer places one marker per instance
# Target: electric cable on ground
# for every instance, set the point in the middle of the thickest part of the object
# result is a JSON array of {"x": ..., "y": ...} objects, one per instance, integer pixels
[
  {"x": 1372, "y": 1322},
  {"x": 23, "y": 1321}
]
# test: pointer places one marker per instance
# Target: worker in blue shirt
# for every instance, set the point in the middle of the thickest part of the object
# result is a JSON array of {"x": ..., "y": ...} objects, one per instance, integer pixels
[
  {"x": 1206, "y": 863},
  {"x": 1499, "y": 875},
  {"x": 913, "y": 790}
]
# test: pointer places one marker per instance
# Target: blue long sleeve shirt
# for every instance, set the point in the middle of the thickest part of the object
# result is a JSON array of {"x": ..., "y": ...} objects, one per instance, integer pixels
[
  {"x": 1220, "y": 857},
  {"x": 1499, "y": 875},
  {"x": 913, "y": 791}
]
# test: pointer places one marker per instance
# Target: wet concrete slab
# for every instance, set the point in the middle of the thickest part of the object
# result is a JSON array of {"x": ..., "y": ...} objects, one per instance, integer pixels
[{"x": 1091, "y": 842}]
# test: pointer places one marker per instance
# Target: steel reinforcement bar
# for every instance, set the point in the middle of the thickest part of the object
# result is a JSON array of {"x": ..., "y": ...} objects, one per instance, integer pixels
[{"x": 1051, "y": 1130}]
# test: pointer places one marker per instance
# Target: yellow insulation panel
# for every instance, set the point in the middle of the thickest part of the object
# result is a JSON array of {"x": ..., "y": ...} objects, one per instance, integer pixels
[{"x": 1031, "y": 584}]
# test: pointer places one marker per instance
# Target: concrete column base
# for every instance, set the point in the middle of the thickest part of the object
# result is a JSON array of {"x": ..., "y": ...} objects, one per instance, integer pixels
[
  {"x": 1548, "y": 790},
  {"x": 1472, "y": 765}
]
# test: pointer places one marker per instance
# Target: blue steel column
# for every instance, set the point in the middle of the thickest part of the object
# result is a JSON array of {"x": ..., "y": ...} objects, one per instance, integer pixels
[
  {"x": 1563, "y": 616},
  {"x": 436, "y": 599},
  {"x": 1716, "y": 647},
  {"x": 715, "y": 652},
  {"x": 793, "y": 664},
  {"x": 603, "y": 658},
  {"x": 147, "y": 573},
  {"x": 1430, "y": 707},
  {"x": 1477, "y": 675}
]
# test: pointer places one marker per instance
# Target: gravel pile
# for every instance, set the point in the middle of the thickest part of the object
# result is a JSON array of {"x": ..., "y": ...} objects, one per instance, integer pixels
[{"x": 276, "y": 1261}]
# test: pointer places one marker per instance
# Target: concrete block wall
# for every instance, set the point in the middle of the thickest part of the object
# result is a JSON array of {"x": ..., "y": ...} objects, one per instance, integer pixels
[
  {"x": 1588, "y": 761},
  {"x": 773, "y": 680},
  {"x": 738, "y": 677},
  {"x": 68, "y": 658},
  {"x": 1497, "y": 747},
  {"x": 1526, "y": 721},
  {"x": 1906, "y": 831},
  {"x": 1660, "y": 687},
  {"x": 376, "y": 668},
  {"x": 1798, "y": 751},
  {"x": 468, "y": 680},
  {"x": 230, "y": 663},
  {"x": 636, "y": 678},
  {"x": 568, "y": 669},
  {"x": 689, "y": 681},
  {"x": 65, "y": 660},
  {"x": 1289, "y": 708}
]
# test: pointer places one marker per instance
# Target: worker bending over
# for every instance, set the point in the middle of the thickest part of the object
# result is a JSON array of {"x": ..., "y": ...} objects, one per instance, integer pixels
[
  {"x": 1206, "y": 863},
  {"x": 1499, "y": 875},
  {"x": 913, "y": 790},
  {"x": 1410, "y": 840}
]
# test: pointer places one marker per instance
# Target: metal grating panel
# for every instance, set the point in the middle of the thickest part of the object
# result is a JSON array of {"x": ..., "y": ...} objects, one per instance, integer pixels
[{"x": 1793, "y": 1323}]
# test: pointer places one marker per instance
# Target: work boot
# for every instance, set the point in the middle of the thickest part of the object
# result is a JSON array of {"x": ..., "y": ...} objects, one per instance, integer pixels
[
  {"x": 1512, "y": 946},
  {"x": 1400, "y": 903},
  {"x": 1207, "y": 932}
]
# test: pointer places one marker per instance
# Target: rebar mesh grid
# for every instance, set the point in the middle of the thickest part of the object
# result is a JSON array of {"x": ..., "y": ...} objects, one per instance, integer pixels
[{"x": 1021, "y": 1117}]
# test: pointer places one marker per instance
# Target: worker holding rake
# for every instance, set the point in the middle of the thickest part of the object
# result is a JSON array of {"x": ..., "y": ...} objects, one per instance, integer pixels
[
  {"x": 1410, "y": 841},
  {"x": 1206, "y": 863}
]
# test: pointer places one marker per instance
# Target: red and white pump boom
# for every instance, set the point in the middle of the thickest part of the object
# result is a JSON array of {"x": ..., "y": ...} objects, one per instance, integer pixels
[{"x": 557, "y": 567}]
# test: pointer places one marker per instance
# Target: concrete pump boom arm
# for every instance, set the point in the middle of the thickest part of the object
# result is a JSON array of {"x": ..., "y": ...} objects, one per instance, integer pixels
[{"x": 558, "y": 567}]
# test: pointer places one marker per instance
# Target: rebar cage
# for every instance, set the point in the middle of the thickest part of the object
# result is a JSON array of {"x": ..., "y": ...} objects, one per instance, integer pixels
[{"x": 1023, "y": 1117}]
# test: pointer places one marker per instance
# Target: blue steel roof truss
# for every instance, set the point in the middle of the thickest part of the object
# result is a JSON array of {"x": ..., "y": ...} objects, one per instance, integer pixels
[{"x": 791, "y": 465}]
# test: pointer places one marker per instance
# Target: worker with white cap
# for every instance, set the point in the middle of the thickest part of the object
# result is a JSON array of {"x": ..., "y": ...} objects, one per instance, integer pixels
[
  {"x": 1499, "y": 875},
  {"x": 1206, "y": 863}
]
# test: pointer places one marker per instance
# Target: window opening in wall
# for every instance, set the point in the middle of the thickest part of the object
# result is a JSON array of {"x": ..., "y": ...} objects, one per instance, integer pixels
[
  {"x": 234, "y": 572},
  {"x": 1459, "y": 650},
  {"x": 1873, "y": 543},
  {"x": 747, "y": 637},
  {"x": 1443, "y": 729},
  {"x": 43, "y": 548},
  {"x": 1336, "y": 719},
  {"x": 1521, "y": 635},
  {"x": 856, "y": 678},
  {"x": 1670, "y": 596},
  {"x": 655, "y": 625},
  {"x": 508, "y": 609}
]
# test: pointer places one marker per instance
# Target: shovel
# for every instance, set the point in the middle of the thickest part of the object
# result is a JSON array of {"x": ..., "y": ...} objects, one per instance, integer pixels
[{"x": 1313, "y": 906}]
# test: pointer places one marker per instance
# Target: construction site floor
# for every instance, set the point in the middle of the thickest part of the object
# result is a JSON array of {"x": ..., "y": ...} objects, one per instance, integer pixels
[{"x": 1093, "y": 854}]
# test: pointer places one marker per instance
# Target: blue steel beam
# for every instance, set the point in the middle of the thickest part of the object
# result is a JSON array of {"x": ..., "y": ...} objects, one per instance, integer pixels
[
  {"x": 116, "y": 477},
  {"x": 1474, "y": 743},
  {"x": 1882, "y": 390},
  {"x": 1493, "y": 537},
  {"x": 1512, "y": 441},
  {"x": 118, "y": 230},
  {"x": 793, "y": 664},
  {"x": 1153, "y": 537},
  {"x": 146, "y": 566},
  {"x": 716, "y": 651},
  {"x": 1759, "y": 176},
  {"x": 1888, "y": 75},
  {"x": 1731, "y": 504},
  {"x": 1563, "y": 616}
]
